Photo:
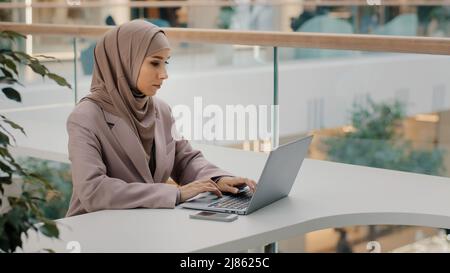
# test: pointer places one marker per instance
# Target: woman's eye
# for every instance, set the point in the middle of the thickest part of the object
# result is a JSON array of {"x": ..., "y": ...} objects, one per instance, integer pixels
[{"x": 156, "y": 64}]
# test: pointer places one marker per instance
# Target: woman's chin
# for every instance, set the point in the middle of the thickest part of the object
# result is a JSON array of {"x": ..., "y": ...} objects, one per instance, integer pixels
[{"x": 150, "y": 93}]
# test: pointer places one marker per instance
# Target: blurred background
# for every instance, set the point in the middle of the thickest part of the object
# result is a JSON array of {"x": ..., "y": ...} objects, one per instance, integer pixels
[{"x": 382, "y": 110}]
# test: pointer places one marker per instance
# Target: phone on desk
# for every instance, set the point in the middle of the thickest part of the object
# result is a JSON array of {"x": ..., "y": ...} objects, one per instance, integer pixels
[{"x": 214, "y": 216}]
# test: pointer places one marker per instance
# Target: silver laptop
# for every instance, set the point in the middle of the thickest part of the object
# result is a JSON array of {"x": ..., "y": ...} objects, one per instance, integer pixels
[{"x": 275, "y": 182}]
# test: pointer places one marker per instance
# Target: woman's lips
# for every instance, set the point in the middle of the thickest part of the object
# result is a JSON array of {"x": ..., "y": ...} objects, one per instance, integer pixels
[{"x": 157, "y": 86}]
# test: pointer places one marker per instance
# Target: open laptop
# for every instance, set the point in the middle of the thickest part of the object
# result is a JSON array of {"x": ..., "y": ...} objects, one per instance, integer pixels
[{"x": 275, "y": 182}]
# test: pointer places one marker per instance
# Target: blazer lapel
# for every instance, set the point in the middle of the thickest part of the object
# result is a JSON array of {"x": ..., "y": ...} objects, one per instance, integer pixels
[
  {"x": 130, "y": 144},
  {"x": 161, "y": 156}
]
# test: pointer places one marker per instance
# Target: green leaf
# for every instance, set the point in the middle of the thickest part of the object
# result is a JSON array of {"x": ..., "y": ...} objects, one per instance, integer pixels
[
  {"x": 11, "y": 35},
  {"x": 59, "y": 80},
  {"x": 46, "y": 57},
  {"x": 38, "y": 68},
  {"x": 6, "y": 180},
  {"x": 10, "y": 64},
  {"x": 8, "y": 80},
  {"x": 3, "y": 152},
  {"x": 4, "y": 129},
  {"x": 5, "y": 168},
  {"x": 39, "y": 178},
  {"x": 11, "y": 54},
  {"x": 38, "y": 199},
  {"x": 6, "y": 72},
  {"x": 12, "y": 94},
  {"x": 14, "y": 125},
  {"x": 49, "y": 229},
  {"x": 24, "y": 57},
  {"x": 16, "y": 224},
  {"x": 18, "y": 169},
  {"x": 4, "y": 139}
]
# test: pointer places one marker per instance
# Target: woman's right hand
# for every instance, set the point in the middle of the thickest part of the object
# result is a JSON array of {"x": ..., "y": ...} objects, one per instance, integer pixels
[{"x": 192, "y": 189}]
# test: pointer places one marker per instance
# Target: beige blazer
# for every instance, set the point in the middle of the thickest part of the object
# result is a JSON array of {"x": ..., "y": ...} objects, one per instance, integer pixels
[{"x": 109, "y": 169}]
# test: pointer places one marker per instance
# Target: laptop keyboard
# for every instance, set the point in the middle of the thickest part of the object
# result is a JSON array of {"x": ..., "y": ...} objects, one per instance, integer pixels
[{"x": 240, "y": 201}]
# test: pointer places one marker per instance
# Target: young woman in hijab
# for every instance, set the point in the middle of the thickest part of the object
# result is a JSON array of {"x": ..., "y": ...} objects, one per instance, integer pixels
[{"x": 120, "y": 142}]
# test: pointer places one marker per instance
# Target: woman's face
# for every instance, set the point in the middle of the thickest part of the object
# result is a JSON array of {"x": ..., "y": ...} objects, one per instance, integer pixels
[{"x": 153, "y": 72}]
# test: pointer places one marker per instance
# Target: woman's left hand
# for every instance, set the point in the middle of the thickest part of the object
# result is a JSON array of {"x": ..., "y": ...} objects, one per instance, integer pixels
[{"x": 230, "y": 184}]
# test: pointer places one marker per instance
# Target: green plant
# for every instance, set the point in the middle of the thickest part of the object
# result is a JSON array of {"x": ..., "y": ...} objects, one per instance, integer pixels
[
  {"x": 376, "y": 141},
  {"x": 22, "y": 191},
  {"x": 59, "y": 176}
]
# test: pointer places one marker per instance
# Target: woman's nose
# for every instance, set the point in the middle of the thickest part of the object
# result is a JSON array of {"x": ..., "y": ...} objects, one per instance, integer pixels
[{"x": 163, "y": 75}]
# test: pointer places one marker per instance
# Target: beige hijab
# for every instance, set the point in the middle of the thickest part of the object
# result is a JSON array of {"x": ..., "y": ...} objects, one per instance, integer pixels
[{"x": 118, "y": 59}]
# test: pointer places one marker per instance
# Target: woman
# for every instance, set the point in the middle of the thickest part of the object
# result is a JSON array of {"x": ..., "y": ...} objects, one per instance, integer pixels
[{"x": 120, "y": 141}]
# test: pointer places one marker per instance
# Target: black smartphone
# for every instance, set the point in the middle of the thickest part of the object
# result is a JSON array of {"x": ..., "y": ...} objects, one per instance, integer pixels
[{"x": 214, "y": 216}]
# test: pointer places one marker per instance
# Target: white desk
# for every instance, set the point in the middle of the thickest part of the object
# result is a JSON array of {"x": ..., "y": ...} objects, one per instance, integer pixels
[{"x": 325, "y": 195}]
